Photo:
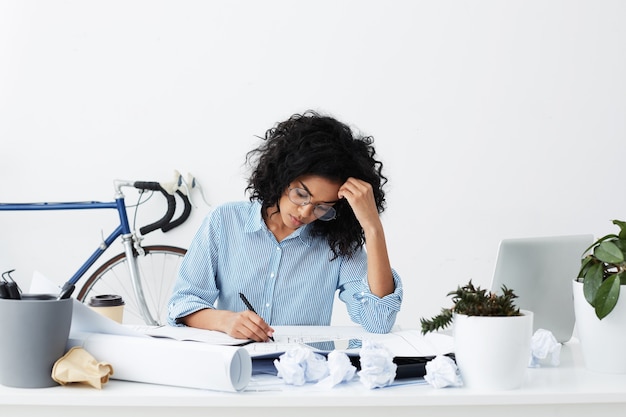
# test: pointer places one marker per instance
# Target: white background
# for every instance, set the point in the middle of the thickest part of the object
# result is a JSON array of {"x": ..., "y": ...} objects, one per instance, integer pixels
[{"x": 494, "y": 119}]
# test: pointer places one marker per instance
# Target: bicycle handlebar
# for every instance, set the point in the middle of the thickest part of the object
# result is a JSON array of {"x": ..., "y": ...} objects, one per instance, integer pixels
[
  {"x": 165, "y": 223},
  {"x": 184, "y": 215}
]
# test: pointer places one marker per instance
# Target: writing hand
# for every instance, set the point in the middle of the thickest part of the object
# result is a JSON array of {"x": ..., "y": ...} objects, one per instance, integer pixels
[{"x": 248, "y": 325}]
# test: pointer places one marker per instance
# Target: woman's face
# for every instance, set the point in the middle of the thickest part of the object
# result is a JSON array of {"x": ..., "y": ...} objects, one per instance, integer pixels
[{"x": 307, "y": 199}]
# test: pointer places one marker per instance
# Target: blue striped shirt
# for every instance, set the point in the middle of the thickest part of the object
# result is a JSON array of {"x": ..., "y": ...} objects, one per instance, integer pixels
[{"x": 292, "y": 282}]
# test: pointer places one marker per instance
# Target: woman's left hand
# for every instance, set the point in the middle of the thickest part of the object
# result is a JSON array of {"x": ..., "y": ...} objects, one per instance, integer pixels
[{"x": 361, "y": 198}]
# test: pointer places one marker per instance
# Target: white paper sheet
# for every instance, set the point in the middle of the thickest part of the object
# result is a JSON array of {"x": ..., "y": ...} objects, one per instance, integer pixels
[
  {"x": 213, "y": 337},
  {"x": 169, "y": 362},
  {"x": 399, "y": 342}
]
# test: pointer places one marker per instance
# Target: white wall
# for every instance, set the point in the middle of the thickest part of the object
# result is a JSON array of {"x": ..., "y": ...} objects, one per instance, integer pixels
[{"x": 495, "y": 119}]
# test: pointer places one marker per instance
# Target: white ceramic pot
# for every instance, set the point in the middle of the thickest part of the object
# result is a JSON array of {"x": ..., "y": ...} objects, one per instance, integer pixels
[
  {"x": 603, "y": 342},
  {"x": 493, "y": 352}
]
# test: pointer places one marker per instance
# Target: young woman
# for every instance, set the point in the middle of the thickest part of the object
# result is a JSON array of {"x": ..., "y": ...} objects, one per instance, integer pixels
[{"x": 310, "y": 229}]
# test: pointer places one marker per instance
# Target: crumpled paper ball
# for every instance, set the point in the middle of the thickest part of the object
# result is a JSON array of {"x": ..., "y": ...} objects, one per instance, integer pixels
[
  {"x": 300, "y": 365},
  {"x": 340, "y": 370},
  {"x": 377, "y": 366},
  {"x": 77, "y": 365},
  {"x": 542, "y": 345},
  {"x": 442, "y": 372}
]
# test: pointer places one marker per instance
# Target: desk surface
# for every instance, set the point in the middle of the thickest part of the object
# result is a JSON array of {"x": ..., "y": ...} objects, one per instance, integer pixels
[{"x": 547, "y": 390}]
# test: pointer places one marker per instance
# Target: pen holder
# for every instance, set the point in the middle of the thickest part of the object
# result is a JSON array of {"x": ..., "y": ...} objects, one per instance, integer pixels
[{"x": 35, "y": 330}]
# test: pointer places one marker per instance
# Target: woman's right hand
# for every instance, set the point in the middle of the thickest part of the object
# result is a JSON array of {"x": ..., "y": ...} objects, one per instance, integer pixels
[
  {"x": 240, "y": 325},
  {"x": 247, "y": 325}
]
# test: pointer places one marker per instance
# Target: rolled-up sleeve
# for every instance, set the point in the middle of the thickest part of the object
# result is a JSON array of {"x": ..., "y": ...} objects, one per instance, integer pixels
[
  {"x": 375, "y": 314},
  {"x": 195, "y": 288}
]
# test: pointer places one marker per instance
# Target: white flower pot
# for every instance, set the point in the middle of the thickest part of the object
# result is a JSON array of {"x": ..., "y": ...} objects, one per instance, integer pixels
[
  {"x": 603, "y": 342},
  {"x": 493, "y": 352}
]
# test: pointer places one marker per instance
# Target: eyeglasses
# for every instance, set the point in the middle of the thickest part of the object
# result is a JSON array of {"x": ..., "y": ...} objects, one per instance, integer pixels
[{"x": 301, "y": 197}]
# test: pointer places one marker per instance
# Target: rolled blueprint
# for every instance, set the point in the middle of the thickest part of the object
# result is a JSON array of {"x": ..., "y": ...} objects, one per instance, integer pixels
[{"x": 169, "y": 362}]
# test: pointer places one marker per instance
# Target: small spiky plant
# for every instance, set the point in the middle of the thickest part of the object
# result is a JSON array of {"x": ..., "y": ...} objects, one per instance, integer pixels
[{"x": 473, "y": 301}]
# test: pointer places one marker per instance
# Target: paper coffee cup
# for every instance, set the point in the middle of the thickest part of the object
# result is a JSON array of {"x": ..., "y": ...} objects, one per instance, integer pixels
[{"x": 109, "y": 305}]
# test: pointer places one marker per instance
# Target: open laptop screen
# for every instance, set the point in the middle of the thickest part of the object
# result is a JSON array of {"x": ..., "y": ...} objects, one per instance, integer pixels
[{"x": 540, "y": 270}]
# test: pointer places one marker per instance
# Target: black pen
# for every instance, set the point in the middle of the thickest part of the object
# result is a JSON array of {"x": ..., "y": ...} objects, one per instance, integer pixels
[{"x": 247, "y": 303}]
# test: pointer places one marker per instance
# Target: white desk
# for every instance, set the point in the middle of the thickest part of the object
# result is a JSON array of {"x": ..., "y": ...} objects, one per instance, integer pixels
[{"x": 568, "y": 390}]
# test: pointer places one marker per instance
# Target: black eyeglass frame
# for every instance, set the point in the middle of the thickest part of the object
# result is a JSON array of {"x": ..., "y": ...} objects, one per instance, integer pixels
[{"x": 328, "y": 212}]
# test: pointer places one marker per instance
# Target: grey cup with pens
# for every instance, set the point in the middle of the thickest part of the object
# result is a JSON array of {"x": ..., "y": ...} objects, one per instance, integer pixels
[{"x": 35, "y": 331}]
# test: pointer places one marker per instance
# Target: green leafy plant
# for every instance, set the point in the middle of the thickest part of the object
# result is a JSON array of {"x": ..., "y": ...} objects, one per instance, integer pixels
[
  {"x": 603, "y": 270},
  {"x": 473, "y": 301}
]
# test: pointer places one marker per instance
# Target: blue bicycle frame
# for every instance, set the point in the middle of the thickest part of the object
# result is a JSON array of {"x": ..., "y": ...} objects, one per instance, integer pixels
[{"x": 123, "y": 230}]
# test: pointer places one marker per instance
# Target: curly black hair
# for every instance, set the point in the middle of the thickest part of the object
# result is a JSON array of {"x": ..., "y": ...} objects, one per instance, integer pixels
[{"x": 313, "y": 144}]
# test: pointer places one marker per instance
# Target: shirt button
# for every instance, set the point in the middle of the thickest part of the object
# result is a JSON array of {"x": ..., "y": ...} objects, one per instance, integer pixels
[
  {"x": 267, "y": 305},
  {"x": 272, "y": 275}
]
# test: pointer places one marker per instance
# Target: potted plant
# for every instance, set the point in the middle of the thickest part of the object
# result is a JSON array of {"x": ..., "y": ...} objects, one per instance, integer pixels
[
  {"x": 491, "y": 336},
  {"x": 600, "y": 312}
]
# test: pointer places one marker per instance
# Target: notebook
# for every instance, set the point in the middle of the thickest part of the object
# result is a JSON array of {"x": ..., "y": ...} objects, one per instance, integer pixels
[{"x": 540, "y": 270}]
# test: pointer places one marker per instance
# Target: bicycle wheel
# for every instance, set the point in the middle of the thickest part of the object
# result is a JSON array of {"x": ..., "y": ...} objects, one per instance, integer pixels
[{"x": 157, "y": 272}]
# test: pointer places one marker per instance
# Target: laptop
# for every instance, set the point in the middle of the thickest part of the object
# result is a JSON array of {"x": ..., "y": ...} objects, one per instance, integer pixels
[{"x": 540, "y": 270}]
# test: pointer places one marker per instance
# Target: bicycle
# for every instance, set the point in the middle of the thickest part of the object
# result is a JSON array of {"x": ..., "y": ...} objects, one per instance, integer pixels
[{"x": 142, "y": 275}]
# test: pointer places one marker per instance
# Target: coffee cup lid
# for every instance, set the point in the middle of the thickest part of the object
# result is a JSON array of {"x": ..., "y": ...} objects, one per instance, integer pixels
[{"x": 106, "y": 300}]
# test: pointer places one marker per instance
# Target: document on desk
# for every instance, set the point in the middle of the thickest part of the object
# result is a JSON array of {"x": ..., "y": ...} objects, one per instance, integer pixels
[
  {"x": 400, "y": 343},
  {"x": 286, "y": 337},
  {"x": 191, "y": 334}
]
